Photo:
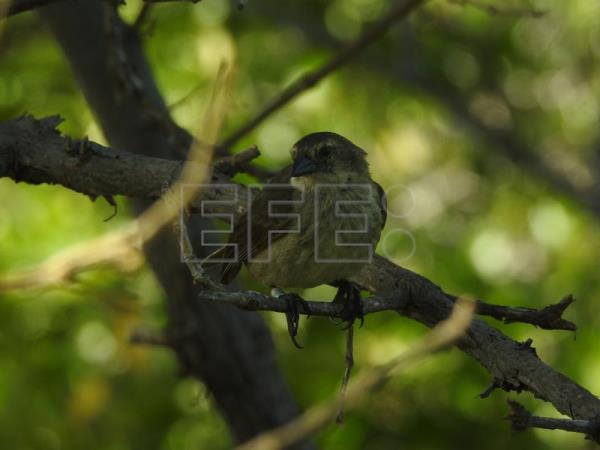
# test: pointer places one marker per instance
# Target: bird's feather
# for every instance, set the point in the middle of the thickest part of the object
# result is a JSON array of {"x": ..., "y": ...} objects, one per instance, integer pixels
[{"x": 278, "y": 189}]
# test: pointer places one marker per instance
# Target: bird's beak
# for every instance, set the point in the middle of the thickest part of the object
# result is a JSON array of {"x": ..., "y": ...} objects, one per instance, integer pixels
[{"x": 303, "y": 166}]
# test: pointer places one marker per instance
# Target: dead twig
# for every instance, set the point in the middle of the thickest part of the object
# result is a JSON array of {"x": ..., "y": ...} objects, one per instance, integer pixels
[
  {"x": 521, "y": 419},
  {"x": 230, "y": 165},
  {"x": 548, "y": 318}
]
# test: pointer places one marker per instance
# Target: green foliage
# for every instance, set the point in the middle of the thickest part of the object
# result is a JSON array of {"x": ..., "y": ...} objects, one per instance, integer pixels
[{"x": 70, "y": 379}]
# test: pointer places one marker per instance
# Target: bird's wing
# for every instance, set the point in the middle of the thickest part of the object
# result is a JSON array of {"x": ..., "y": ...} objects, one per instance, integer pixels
[
  {"x": 382, "y": 203},
  {"x": 278, "y": 190}
]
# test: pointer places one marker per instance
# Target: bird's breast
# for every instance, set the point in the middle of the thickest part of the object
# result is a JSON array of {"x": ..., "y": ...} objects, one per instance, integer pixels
[{"x": 339, "y": 227}]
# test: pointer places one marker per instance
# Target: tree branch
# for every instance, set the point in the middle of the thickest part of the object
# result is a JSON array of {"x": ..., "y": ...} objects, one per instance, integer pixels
[
  {"x": 513, "y": 365},
  {"x": 521, "y": 419},
  {"x": 548, "y": 318},
  {"x": 34, "y": 152}
]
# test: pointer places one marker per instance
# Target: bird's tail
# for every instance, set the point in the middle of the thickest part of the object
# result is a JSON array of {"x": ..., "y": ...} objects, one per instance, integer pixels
[{"x": 224, "y": 257}]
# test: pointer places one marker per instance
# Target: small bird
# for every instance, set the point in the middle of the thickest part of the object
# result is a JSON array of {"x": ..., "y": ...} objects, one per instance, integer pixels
[{"x": 316, "y": 222}]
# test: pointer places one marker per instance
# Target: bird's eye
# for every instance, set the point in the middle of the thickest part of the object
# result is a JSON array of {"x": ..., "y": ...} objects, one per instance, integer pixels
[{"x": 325, "y": 151}]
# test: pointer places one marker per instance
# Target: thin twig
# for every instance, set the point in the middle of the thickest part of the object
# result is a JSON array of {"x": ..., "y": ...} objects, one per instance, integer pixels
[
  {"x": 521, "y": 419},
  {"x": 319, "y": 416},
  {"x": 548, "y": 318},
  {"x": 239, "y": 162},
  {"x": 353, "y": 49}
]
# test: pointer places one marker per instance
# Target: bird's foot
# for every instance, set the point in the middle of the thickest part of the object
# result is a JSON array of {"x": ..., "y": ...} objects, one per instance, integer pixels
[
  {"x": 294, "y": 303},
  {"x": 348, "y": 296}
]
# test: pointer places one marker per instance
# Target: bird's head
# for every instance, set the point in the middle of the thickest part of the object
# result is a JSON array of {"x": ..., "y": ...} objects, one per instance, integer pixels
[{"x": 328, "y": 157}]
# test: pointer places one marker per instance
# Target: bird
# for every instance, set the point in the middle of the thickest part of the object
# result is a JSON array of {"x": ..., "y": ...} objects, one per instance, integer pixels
[{"x": 316, "y": 222}]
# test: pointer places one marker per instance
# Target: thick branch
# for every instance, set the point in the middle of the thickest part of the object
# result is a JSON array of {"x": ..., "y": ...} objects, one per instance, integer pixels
[
  {"x": 34, "y": 152},
  {"x": 516, "y": 365}
]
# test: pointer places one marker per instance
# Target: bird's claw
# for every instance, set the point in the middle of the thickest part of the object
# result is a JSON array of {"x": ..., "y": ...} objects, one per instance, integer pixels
[
  {"x": 348, "y": 296},
  {"x": 292, "y": 314}
]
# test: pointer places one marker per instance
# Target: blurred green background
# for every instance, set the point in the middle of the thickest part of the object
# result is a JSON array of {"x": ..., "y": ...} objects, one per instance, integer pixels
[{"x": 70, "y": 379}]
